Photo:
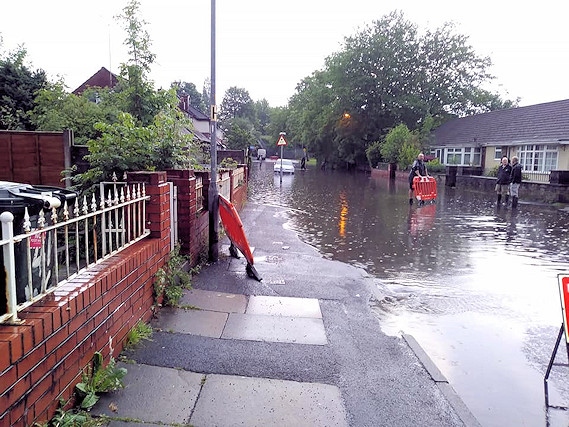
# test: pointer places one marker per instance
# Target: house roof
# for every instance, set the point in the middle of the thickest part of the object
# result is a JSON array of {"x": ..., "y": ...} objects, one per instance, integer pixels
[
  {"x": 546, "y": 123},
  {"x": 190, "y": 110},
  {"x": 102, "y": 78}
]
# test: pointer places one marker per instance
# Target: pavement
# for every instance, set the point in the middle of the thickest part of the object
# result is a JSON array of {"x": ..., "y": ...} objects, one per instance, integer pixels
[{"x": 301, "y": 347}]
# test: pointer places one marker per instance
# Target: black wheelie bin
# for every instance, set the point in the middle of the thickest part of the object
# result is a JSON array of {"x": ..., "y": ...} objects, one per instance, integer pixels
[{"x": 15, "y": 198}]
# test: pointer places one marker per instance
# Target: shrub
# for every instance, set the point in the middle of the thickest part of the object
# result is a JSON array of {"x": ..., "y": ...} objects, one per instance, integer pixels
[{"x": 435, "y": 166}]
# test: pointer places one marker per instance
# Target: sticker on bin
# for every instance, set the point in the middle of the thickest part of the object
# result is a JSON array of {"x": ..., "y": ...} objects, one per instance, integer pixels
[{"x": 36, "y": 240}]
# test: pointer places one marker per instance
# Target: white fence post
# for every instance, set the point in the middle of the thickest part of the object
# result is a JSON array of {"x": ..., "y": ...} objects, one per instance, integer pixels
[{"x": 7, "y": 220}]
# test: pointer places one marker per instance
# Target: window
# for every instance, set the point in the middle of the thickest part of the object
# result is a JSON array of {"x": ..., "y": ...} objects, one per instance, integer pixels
[
  {"x": 541, "y": 158},
  {"x": 453, "y": 156},
  {"x": 467, "y": 156},
  {"x": 498, "y": 153},
  {"x": 439, "y": 155}
]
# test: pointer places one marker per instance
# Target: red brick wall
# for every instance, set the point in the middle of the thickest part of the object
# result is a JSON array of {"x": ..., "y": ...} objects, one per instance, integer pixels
[
  {"x": 239, "y": 196},
  {"x": 193, "y": 225},
  {"x": 42, "y": 359}
]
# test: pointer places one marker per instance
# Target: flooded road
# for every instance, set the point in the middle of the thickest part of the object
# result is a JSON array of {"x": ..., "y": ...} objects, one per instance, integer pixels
[{"x": 474, "y": 284}]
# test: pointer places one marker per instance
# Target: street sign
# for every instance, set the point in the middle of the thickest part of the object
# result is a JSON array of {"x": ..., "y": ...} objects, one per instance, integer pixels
[
  {"x": 564, "y": 294},
  {"x": 281, "y": 141}
]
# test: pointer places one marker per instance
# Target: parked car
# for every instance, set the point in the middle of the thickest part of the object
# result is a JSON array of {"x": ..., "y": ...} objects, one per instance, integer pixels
[{"x": 286, "y": 164}]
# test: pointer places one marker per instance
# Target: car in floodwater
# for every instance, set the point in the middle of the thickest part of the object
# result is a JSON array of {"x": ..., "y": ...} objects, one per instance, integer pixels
[{"x": 286, "y": 165}]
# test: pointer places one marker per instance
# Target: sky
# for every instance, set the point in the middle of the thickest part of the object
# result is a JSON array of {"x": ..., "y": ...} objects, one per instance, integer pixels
[{"x": 267, "y": 47}]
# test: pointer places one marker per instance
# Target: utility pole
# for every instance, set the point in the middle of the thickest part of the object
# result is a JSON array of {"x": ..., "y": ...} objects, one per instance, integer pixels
[{"x": 213, "y": 201}]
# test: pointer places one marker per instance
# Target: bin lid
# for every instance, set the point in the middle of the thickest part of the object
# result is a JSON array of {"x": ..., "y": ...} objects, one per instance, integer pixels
[{"x": 15, "y": 196}]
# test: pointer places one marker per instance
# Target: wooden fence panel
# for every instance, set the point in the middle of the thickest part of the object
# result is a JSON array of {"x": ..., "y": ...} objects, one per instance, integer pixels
[{"x": 36, "y": 158}]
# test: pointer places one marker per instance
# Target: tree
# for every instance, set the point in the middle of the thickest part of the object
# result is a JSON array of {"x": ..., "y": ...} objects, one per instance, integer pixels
[
  {"x": 240, "y": 134},
  {"x": 262, "y": 115},
  {"x": 135, "y": 89},
  {"x": 385, "y": 75},
  {"x": 57, "y": 110},
  {"x": 236, "y": 103},
  {"x": 189, "y": 90},
  {"x": 18, "y": 86},
  {"x": 279, "y": 118},
  {"x": 313, "y": 112},
  {"x": 373, "y": 154},
  {"x": 393, "y": 142},
  {"x": 127, "y": 146},
  {"x": 206, "y": 94}
]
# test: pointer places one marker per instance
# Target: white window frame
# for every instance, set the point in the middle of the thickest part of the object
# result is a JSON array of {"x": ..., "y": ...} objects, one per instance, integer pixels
[
  {"x": 538, "y": 157},
  {"x": 463, "y": 156},
  {"x": 498, "y": 153}
]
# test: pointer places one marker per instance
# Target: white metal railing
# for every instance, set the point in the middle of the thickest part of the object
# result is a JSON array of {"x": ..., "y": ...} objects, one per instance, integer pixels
[
  {"x": 535, "y": 176},
  {"x": 45, "y": 253}
]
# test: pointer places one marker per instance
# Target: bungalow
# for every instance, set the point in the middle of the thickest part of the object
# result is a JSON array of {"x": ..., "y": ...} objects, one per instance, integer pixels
[{"x": 537, "y": 134}]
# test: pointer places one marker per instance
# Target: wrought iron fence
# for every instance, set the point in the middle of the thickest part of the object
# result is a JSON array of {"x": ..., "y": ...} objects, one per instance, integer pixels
[{"x": 48, "y": 250}]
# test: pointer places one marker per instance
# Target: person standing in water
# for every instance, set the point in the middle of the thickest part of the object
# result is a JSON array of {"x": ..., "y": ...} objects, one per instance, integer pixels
[
  {"x": 419, "y": 168},
  {"x": 515, "y": 181},
  {"x": 503, "y": 181}
]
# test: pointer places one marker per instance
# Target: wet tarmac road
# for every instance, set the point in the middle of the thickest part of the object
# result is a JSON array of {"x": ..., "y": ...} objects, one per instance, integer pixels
[{"x": 476, "y": 285}]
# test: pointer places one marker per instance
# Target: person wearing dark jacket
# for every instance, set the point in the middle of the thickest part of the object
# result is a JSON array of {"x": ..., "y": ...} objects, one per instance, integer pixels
[
  {"x": 515, "y": 181},
  {"x": 503, "y": 181},
  {"x": 419, "y": 168}
]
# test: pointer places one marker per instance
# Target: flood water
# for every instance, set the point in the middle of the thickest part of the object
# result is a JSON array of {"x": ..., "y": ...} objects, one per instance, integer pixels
[{"x": 475, "y": 285}]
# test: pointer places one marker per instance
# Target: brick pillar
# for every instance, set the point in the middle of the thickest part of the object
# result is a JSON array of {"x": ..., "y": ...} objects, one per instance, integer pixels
[
  {"x": 158, "y": 207},
  {"x": 185, "y": 182}
]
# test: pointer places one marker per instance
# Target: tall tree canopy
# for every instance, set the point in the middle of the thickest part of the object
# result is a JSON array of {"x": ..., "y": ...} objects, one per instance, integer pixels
[
  {"x": 136, "y": 90},
  {"x": 18, "y": 87},
  {"x": 131, "y": 126},
  {"x": 190, "y": 90},
  {"x": 236, "y": 103},
  {"x": 237, "y": 118},
  {"x": 385, "y": 75}
]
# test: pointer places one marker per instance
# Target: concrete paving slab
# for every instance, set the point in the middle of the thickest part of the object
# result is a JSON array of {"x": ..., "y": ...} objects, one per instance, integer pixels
[
  {"x": 224, "y": 250},
  {"x": 253, "y": 327},
  {"x": 116, "y": 423},
  {"x": 196, "y": 322},
  {"x": 215, "y": 301},
  {"x": 153, "y": 394},
  {"x": 284, "y": 306},
  {"x": 228, "y": 400}
]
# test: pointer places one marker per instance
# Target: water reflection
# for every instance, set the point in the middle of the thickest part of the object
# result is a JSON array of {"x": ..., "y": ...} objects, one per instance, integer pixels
[
  {"x": 421, "y": 220},
  {"x": 343, "y": 214},
  {"x": 474, "y": 283}
]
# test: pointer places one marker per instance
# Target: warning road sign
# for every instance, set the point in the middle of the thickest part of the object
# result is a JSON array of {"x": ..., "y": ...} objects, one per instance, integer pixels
[
  {"x": 564, "y": 294},
  {"x": 281, "y": 141}
]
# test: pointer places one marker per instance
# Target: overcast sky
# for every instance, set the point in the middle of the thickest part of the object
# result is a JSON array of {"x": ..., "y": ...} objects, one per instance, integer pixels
[{"x": 268, "y": 46}]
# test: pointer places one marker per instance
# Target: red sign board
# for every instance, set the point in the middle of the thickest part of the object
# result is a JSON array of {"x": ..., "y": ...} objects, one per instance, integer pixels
[
  {"x": 281, "y": 141},
  {"x": 564, "y": 294},
  {"x": 36, "y": 241}
]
